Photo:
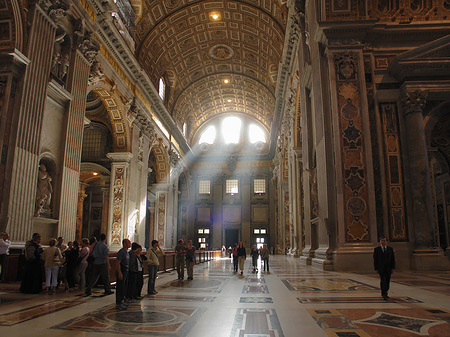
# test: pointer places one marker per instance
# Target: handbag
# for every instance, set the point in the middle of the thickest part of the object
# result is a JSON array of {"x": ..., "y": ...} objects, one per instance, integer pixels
[
  {"x": 90, "y": 259},
  {"x": 56, "y": 259}
]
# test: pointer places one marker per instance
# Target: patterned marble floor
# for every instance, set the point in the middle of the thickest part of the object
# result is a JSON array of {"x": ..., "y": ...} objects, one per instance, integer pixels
[{"x": 292, "y": 300}]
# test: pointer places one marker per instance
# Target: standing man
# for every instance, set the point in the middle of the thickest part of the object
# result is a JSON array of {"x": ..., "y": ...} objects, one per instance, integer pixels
[
  {"x": 122, "y": 264},
  {"x": 384, "y": 264},
  {"x": 179, "y": 250},
  {"x": 4, "y": 251},
  {"x": 153, "y": 255},
  {"x": 190, "y": 260},
  {"x": 101, "y": 266}
]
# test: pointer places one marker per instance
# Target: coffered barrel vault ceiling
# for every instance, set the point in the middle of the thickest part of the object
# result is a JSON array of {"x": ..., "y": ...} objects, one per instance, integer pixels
[{"x": 180, "y": 41}]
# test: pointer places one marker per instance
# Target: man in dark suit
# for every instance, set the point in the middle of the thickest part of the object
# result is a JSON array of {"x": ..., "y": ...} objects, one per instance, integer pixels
[{"x": 384, "y": 263}]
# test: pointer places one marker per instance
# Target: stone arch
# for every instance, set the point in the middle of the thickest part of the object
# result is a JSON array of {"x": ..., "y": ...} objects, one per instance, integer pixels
[
  {"x": 116, "y": 112},
  {"x": 432, "y": 118},
  {"x": 161, "y": 163}
]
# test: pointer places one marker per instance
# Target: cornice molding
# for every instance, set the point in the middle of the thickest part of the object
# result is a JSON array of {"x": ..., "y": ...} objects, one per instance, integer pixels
[{"x": 290, "y": 52}]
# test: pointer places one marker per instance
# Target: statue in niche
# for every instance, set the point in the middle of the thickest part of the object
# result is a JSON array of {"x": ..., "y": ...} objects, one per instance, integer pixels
[{"x": 44, "y": 191}]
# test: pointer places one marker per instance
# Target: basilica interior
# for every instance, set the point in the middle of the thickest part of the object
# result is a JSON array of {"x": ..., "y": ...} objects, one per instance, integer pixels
[{"x": 313, "y": 127}]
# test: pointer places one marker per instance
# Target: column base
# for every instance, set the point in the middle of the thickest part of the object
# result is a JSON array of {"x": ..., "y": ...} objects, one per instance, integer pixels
[
  {"x": 324, "y": 264},
  {"x": 307, "y": 255},
  {"x": 354, "y": 258},
  {"x": 306, "y": 260},
  {"x": 429, "y": 259}
]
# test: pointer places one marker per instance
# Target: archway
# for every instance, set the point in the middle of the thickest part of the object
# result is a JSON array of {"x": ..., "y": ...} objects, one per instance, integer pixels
[{"x": 119, "y": 125}]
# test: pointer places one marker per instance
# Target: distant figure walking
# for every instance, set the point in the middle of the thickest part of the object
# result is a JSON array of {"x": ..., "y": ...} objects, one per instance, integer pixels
[
  {"x": 242, "y": 255},
  {"x": 180, "y": 251},
  {"x": 254, "y": 253},
  {"x": 265, "y": 254},
  {"x": 190, "y": 259},
  {"x": 235, "y": 257}
]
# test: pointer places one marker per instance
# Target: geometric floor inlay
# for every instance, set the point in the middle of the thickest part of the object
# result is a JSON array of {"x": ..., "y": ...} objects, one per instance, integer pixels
[
  {"x": 255, "y": 289},
  {"x": 138, "y": 319},
  {"x": 180, "y": 298},
  {"x": 414, "y": 325},
  {"x": 377, "y": 299},
  {"x": 256, "y": 322},
  {"x": 255, "y": 300},
  {"x": 22, "y": 315},
  {"x": 327, "y": 285},
  {"x": 196, "y": 285},
  {"x": 383, "y": 322}
]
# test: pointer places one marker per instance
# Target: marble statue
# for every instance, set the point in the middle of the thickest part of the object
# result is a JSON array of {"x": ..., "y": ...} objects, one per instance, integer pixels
[{"x": 44, "y": 191}]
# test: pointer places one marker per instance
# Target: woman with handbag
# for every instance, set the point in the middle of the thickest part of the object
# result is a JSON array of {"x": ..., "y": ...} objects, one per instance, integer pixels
[{"x": 52, "y": 261}]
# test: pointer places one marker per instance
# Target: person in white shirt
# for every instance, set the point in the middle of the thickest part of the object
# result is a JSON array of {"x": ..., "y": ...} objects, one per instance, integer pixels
[{"x": 4, "y": 250}]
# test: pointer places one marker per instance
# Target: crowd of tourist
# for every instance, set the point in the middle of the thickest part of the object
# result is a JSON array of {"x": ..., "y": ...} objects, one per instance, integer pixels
[{"x": 67, "y": 266}]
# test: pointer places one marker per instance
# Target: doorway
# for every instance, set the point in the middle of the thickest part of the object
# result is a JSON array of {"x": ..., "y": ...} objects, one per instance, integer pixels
[{"x": 231, "y": 237}]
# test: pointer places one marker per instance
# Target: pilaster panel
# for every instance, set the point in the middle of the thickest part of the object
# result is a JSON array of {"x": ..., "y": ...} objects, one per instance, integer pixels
[{"x": 352, "y": 138}]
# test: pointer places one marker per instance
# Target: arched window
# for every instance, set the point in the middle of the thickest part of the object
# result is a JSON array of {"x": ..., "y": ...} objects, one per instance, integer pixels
[
  {"x": 256, "y": 134},
  {"x": 208, "y": 136},
  {"x": 231, "y": 130},
  {"x": 162, "y": 88}
]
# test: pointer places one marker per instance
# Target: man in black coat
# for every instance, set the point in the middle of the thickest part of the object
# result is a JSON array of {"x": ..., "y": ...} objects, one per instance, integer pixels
[{"x": 384, "y": 263}]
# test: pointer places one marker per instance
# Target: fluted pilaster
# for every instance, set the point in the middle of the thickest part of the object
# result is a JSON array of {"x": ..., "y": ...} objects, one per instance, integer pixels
[
  {"x": 26, "y": 150},
  {"x": 74, "y": 138}
]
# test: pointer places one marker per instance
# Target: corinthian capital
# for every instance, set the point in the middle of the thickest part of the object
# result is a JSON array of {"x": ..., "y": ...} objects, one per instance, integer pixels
[
  {"x": 56, "y": 9},
  {"x": 89, "y": 48},
  {"x": 414, "y": 101}
]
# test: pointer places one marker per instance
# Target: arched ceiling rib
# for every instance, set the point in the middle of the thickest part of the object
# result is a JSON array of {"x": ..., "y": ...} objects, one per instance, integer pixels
[{"x": 179, "y": 40}]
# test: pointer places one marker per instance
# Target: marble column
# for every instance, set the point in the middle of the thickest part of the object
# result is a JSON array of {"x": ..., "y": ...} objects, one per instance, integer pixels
[
  {"x": 81, "y": 196},
  {"x": 21, "y": 206},
  {"x": 426, "y": 255},
  {"x": 118, "y": 224}
]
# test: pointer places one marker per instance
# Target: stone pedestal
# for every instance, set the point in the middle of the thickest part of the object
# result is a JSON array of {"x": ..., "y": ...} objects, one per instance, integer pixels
[
  {"x": 429, "y": 260},
  {"x": 354, "y": 258}
]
